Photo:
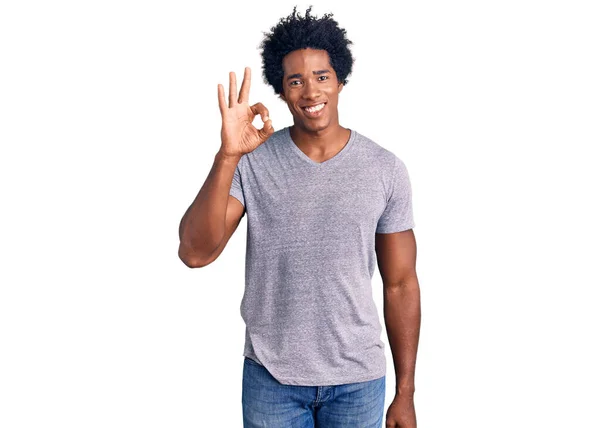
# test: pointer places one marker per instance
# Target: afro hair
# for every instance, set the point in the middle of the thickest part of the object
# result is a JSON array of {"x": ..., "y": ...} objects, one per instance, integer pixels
[{"x": 297, "y": 32}]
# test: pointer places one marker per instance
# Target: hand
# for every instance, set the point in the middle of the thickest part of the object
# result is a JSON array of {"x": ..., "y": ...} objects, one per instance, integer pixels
[
  {"x": 401, "y": 413},
  {"x": 238, "y": 135}
]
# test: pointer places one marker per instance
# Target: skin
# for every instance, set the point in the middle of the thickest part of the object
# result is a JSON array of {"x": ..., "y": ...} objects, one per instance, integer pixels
[
  {"x": 396, "y": 258},
  {"x": 214, "y": 215},
  {"x": 238, "y": 135},
  {"x": 210, "y": 221},
  {"x": 308, "y": 79}
]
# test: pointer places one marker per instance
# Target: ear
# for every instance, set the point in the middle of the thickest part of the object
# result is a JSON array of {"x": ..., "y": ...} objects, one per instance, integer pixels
[
  {"x": 281, "y": 96},
  {"x": 340, "y": 87}
]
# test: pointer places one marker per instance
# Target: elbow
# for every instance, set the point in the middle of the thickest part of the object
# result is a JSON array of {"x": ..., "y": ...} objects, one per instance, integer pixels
[
  {"x": 191, "y": 259},
  {"x": 406, "y": 283},
  {"x": 192, "y": 262}
]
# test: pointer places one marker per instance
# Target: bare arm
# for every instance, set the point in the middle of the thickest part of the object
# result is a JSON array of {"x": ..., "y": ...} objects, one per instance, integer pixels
[
  {"x": 203, "y": 225},
  {"x": 396, "y": 258},
  {"x": 213, "y": 216}
]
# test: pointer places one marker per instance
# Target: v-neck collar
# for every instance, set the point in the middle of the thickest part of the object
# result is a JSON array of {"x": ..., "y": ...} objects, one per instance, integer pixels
[{"x": 336, "y": 158}]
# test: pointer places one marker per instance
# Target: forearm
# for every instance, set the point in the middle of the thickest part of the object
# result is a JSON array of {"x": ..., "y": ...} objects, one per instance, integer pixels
[
  {"x": 203, "y": 225},
  {"x": 402, "y": 314}
]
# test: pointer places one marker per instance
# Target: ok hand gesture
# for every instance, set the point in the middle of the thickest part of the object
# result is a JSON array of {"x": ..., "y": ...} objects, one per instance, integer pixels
[{"x": 238, "y": 135}]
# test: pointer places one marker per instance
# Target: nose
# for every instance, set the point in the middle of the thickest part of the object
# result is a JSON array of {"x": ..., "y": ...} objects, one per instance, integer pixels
[{"x": 311, "y": 90}]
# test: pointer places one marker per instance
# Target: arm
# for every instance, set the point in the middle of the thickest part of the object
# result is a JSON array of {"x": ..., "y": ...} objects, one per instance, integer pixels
[
  {"x": 396, "y": 258},
  {"x": 205, "y": 222},
  {"x": 213, "y": 216}
]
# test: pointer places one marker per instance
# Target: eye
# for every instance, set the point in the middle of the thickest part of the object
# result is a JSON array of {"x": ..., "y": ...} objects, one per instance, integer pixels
[
  {"x": 292, "y": 83},
  {"x": 324, "y": 77}
]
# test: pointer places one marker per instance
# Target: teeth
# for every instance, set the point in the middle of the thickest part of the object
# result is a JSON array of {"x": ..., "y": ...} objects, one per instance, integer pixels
[{"x": 315, "y": 108}]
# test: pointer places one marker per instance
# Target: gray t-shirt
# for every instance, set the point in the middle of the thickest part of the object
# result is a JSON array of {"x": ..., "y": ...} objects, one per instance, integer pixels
[{"x": 310, "y": 256}]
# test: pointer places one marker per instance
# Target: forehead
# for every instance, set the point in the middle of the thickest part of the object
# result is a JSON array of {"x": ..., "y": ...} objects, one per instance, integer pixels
[{"x": 305, "y": 60}]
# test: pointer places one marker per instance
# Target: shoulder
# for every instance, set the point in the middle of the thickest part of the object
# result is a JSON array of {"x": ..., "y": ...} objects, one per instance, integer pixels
[{"x": 376, "y": 153}]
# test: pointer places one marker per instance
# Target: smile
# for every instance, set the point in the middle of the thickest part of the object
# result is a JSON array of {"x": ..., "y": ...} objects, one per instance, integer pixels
[{"x": 314, "y": 111}]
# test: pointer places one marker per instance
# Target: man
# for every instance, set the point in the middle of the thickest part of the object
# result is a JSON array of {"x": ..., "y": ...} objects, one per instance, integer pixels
[{"x": 324, "y": 204}]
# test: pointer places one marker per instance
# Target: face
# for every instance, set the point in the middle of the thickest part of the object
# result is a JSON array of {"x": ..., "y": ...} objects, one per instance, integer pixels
[{"x": 309, "y": 80}]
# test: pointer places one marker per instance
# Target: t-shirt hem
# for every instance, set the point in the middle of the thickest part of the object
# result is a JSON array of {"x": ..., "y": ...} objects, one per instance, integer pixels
[
  {"x": 395, "y": 229},
  {"x": 238, "y": 196},
  {"x": 331, "y": 381}
]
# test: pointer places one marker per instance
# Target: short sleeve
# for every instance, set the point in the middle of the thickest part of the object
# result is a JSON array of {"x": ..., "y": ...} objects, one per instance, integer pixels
[
  {"x": 398, "y": 213},
  {"x": 236, "y": 190}
]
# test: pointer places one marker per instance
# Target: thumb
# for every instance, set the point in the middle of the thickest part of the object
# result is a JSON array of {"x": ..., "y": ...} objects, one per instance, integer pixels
[{"x": 267, "y": 129}]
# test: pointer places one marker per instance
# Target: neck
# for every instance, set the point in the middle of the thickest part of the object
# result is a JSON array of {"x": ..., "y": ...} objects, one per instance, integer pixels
[{"x": 321, "y": 139}]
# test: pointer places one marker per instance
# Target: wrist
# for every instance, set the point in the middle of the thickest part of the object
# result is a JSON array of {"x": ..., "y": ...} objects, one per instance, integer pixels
[
  {"x": 224, "y": 157},
  {"x": 405, "y": 389}
]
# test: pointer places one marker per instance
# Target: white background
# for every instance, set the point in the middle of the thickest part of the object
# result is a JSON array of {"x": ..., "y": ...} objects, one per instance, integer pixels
[{"x": 109, "y": 125}]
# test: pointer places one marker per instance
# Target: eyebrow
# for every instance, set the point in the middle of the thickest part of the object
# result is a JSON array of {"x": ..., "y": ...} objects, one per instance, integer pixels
[{"x": 297, "y": 75}]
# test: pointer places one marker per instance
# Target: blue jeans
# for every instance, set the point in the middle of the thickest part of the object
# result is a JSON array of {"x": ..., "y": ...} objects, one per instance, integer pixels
[{"x": 266, "y": 403}]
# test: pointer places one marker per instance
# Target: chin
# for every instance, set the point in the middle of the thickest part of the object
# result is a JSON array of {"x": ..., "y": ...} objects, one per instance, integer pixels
[{"x": 316, "y": 126}]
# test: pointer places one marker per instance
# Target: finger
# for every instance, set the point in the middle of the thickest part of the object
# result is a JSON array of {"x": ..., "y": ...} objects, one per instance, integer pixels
[
  {"x": 259, "y": 108},
  {"x": 232, "y": 89},
  {"x": 245, "y": 90},
  {"x": 221, "y": 94},
  {"x": 267, "y": 129}
]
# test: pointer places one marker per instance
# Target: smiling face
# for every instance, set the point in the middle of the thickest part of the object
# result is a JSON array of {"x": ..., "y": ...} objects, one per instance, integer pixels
[{"x": 310, "y": 89}]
